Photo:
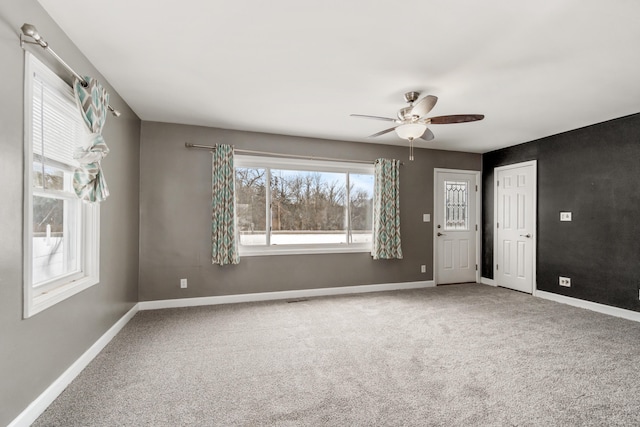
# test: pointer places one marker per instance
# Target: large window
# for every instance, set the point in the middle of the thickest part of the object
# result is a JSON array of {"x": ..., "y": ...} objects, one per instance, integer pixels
[
  {"x": 285, "y": 206},
  {"x": 61, "y": 232}
]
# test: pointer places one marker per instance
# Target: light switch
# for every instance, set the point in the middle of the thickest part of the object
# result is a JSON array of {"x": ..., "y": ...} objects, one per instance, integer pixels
[
  {"x": 565, "y": 216},
  {"x": 426, "y": 217}
]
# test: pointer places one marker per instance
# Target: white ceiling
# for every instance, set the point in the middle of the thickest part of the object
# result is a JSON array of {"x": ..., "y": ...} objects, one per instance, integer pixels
[{"x": 292, "y": 67}]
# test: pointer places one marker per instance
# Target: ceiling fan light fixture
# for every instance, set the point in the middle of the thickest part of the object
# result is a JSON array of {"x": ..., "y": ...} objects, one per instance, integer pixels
[{"x": 411, "y": 131}]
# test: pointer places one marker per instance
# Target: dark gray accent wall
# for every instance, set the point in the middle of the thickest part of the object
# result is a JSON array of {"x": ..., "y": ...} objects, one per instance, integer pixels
[
  {"x": 36, "y": 351},
  {"x": 592, "y": 172},
  {"x": 175, "y": 217}
]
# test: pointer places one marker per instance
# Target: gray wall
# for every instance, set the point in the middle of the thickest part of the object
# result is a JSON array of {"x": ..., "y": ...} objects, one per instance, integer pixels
[
  {"x": 36, "y": 351},
  {"x": 593, "y": 173},
  {"x": 175, "y": 217}
]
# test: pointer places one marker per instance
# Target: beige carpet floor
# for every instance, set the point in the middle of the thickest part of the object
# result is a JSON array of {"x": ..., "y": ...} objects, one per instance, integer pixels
[{"x": 463, "y": 355}]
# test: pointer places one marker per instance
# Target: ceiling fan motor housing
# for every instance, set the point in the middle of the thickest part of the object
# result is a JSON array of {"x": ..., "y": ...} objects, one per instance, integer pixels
[{"x": 404, "y": 114}]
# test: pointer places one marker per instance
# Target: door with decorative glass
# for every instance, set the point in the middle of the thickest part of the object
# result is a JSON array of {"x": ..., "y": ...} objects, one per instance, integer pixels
[{"x": 455, "y": 226}]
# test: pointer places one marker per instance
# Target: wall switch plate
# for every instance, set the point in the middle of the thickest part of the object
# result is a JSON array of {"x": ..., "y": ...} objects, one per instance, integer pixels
[
  {"x": 426, "y": 217},
  {"x": 565, "y": 216},
  {"x": 564, "y": 281},
  {"x": 423, "y": 269},
  {"x": 183, "y": 283}
]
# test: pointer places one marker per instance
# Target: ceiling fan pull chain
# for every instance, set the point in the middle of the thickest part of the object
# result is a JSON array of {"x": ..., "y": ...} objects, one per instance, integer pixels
[{"x": 411, "y": 149}]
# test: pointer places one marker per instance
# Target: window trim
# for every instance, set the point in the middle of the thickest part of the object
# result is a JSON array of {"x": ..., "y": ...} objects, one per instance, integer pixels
[
  {"x": 37, "y": 299},
  {"x": 251, "y": 161}
]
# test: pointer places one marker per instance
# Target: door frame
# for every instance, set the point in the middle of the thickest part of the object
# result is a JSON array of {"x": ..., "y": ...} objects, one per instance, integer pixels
[
  {"x": 478, "y": 196},
  {"x": 534, "y": 240}
]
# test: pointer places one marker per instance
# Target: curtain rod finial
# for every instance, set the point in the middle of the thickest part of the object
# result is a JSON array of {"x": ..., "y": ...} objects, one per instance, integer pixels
[{"x": 31, "y": 31}]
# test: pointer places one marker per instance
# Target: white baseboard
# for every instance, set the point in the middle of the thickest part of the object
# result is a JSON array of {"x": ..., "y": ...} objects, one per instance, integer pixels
[
  {"x": 593, "y": 306},
  {"x": 42, "y": 402},
  {"x": 269, "y": 296},
  {"x": 487, "y": 281}
]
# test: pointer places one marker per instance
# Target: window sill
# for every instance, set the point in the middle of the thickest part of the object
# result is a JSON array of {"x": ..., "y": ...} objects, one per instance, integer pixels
[
  {"x": 60, "y": 293},
  {"x": 302, "y": 250}
]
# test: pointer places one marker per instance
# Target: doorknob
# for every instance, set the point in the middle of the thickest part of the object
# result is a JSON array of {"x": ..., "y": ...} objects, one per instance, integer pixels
[
  {"x": 528, "y": 236},
  {"x": 441, "y": 234}
]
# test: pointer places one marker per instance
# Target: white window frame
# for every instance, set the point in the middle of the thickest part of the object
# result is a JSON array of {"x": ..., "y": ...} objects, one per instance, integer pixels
[
  {"x": 45, "y": 295},
  {"x": 244, "y": 161}
]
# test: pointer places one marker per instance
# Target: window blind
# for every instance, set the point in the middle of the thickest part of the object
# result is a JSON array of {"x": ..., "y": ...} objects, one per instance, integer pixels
[{"x": 57, "y": 125}]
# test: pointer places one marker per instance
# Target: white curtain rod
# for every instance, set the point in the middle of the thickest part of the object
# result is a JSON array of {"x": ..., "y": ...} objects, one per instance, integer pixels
[
  {"x": 31, "y": 31},
  {"x": 268, "y": 153}
]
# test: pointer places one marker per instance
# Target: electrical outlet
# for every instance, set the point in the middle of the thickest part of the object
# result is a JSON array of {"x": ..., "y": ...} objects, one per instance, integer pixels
[
  {"x": 183, "y": 283},
  {"x": 565, "y": 216},
  {"x": 423, "y": 269},
  {"x": 564, "y": 281}
]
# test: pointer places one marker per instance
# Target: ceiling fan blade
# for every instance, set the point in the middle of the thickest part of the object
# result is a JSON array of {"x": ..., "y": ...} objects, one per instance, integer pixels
[
  {"x": 427, "y": 135},
  {"x": 386, "y": 119},
  {"x": 457, "y": 118},
  {"x": 382, "y": 132},
  {"x": 423, "y": 106}
]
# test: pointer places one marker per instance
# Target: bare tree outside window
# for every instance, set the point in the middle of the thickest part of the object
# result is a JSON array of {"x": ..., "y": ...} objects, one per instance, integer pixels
[
  {"x": 306, "y": 207},
  {"x": 361, "y": 209},
  {"x": 251, "y": 206}
]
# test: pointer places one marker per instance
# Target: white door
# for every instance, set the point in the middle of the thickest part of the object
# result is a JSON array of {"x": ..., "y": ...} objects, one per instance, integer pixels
[
  {"x": 455, "y": 226},
  {"x": 515, "y": 232}
]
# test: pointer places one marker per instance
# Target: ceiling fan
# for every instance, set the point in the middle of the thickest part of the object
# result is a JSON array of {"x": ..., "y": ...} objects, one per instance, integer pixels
[{"x": 412, "y": 123}]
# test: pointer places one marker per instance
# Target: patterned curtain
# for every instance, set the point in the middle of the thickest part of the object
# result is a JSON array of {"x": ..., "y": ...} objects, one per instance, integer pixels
[
  {"x": 386, "y": 210},
  {"x": 223, "y": 230},
  {"x": 88, "y": 180}
]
